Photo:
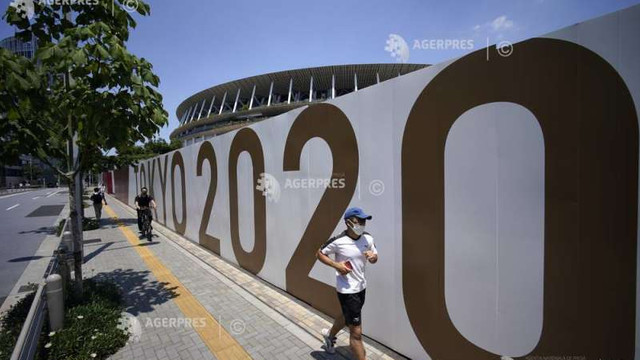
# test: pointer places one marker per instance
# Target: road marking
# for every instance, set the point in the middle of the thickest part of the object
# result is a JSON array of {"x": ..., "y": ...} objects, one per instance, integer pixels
[
  {"x": 16, "y": 194},
  {"x": 13, "y": 207},
  {"x": 221, "y": 344},
  {"x": 53, "y": 193},
  {"x": 36, "y": 197}
]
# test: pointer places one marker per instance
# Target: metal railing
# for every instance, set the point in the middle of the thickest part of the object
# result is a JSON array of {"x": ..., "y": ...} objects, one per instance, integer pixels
[{"x": 27, "y": 343}]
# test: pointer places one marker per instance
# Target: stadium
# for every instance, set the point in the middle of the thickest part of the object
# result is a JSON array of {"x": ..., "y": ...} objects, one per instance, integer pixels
[{"x": 237, "y": 103}]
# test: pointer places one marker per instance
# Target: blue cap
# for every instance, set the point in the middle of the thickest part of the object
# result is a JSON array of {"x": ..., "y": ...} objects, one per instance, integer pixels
[{"x": 357, "y": 212}]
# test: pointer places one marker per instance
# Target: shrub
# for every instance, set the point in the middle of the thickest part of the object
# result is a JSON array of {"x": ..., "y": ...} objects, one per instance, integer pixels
[
  {"x": 60, "y": 227},
  {"x": 91, "y": 327},
  {"x": 11, "y": 325},
  {"x": 89, "y": 224}
]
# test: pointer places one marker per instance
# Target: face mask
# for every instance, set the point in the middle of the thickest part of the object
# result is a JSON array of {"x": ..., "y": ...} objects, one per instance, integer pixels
[{"x": 357, "y": 228}]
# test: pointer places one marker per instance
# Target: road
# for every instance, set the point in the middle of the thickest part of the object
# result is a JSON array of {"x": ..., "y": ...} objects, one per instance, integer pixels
[{"x": 25, "y": 220}]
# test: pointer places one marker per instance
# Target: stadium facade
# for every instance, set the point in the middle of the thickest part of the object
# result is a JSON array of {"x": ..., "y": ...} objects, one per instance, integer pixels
[
  {"x": 20, "y": 47},
  {"x": 237, "y": 103}
]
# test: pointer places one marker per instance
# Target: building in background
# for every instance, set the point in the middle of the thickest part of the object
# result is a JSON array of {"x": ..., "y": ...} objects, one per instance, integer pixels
[
  {"x": 238, "y": 103},
  {"x": 19, "y": 47},
  {"x": 28, "y": 169}
]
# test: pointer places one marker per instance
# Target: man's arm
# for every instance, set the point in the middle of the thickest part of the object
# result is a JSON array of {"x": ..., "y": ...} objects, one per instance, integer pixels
[
  {"x": 372, "y": 255},
  {"x": 340, "y": 267},
  {"x": 153, "y": 203}
]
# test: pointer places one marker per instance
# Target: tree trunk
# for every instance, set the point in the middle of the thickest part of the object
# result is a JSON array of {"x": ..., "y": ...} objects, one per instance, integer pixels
[
  {"x": 79, "y": 199},
  {"x": 76, "y": 234}
]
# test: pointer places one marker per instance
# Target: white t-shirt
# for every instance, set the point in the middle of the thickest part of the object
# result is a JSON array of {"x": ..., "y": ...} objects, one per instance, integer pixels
[{"x": 345, "y": 248}]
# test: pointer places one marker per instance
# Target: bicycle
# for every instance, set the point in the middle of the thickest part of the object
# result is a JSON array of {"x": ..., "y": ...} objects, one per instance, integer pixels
[{"x": 146, "y": 223}]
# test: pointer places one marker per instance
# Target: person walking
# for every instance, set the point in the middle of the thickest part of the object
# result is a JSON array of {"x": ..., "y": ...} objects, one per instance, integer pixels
[
  {"x": 98, "y": 199},
  {"x": 352, "y": 249}
]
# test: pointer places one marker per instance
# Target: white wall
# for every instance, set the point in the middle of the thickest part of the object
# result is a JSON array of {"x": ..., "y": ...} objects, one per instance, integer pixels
[{"x": 494, "y": 196}]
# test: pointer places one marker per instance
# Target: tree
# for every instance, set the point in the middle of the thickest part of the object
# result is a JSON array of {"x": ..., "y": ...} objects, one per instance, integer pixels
[
  {"x": 160, "y": 146},
  {"x": 130, "y": 155},
  {"x": 82, "y": 87}
]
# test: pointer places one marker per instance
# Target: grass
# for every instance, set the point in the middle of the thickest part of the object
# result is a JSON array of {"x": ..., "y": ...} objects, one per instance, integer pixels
[
  {"x": 92, "y": 325},
  {"x": 92, "y": 329}
]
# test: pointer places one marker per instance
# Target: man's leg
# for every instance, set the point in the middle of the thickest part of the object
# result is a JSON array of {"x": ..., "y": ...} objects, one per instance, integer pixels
[
  {"x": 139, "y": 220},
  {"x": 338, "y": 324},
  {"x": 355, "y": 340},
  {"x": 96, "y": 210},
  {"x": 329, "y": 335}
]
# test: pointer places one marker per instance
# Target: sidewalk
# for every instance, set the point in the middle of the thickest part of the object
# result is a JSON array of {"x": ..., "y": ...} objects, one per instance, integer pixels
[{"x": 191, "y": 304}]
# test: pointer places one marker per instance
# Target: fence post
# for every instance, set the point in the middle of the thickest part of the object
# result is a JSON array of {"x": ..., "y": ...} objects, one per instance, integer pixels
[
  {"x": 55, "y": 301},
  {"x": 63, "y": 268}
]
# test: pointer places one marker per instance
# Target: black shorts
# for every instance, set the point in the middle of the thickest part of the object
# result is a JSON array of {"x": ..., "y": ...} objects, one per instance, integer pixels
[{"x": 351, "y": 305}]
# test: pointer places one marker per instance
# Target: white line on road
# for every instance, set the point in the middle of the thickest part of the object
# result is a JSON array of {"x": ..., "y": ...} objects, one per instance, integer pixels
[
  {"x": 13, "y": 207},
  {"x": 37, "y": 197},
  {"x": 53, "y": 193},
  {"x": 16, "y": 194}
]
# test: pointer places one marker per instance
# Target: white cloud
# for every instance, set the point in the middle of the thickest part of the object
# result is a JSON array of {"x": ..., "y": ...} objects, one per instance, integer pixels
[
  {"x": 501, "y": 23},
  {"x": 497, "y": 25}
]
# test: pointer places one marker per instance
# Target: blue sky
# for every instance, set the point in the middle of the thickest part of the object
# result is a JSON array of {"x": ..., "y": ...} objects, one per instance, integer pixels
[{"x": 196, "y": 44}]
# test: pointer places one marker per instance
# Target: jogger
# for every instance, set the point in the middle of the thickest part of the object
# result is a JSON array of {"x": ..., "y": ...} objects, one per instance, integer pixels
[{"x": 352, "y": 249}]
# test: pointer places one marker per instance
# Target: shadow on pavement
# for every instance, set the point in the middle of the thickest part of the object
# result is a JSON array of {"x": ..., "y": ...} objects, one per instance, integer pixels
[
  {"x": 42, "y": 230},
  {"x": 111, "y": 223},
  {"x": 104, "y": 247},
  {"x": 140, "y": 294},
  {"x": 26, "y": 258},
  {"x": 323, "y": 355},
  {"x": 95, "y": 252}
]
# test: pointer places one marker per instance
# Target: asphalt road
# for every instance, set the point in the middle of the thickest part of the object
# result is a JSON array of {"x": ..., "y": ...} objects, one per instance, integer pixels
[{"x": 21, "y": 234}]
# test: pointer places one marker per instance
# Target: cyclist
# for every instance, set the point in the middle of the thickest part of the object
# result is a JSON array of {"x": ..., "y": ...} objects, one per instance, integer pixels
[{"x": 142, "y": 203}]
